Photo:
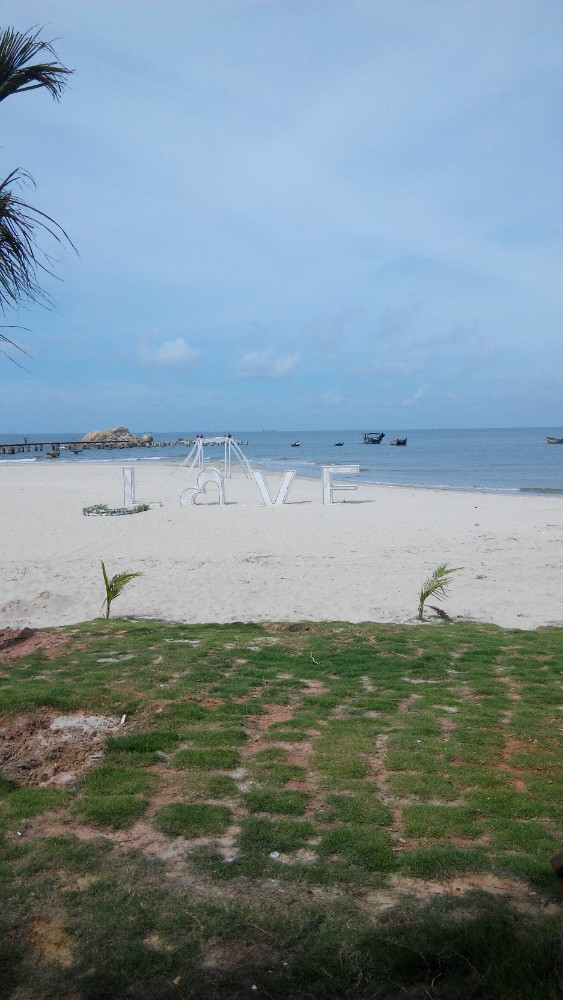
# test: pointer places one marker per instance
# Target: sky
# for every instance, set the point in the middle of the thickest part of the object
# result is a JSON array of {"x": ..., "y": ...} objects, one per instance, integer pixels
[{"x": 293, "y": 214}]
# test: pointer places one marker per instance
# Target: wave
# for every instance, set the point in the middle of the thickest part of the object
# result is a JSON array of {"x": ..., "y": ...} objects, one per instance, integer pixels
[
  {"x": 450, "y": 488},
  {"x": 541, "y": 489}
]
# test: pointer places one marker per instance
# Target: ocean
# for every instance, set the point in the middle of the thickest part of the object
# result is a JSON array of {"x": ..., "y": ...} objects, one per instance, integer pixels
[{"x": 508, "y": 460}]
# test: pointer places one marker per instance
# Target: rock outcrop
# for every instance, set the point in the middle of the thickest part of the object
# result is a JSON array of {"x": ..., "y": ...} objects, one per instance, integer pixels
[{"x": 117, "y": 435}]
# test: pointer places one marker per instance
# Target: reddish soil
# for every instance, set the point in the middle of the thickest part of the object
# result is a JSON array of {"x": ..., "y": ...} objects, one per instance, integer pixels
[
  {"x": 18, "y": 642},
  {"x": 50, "y": 748},
  {"x": 406, "y": 704}
]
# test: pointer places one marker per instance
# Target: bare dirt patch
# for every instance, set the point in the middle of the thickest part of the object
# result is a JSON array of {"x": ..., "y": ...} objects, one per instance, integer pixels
[
  {"x": 447, "y": 726},
  {"x": 257, "y": 725},
  {"x": 18, "y": 642},
  {"x": 174, "y": 851},
  {"x": 219, "y": 955},
  {"x": 512, "y": 746},
  {"x": 52, "y": 941},
  {"x": 154, "y": 941},
  {"x": 378, "y": 769},
  {"x": 52, "y": 749},
  {"x": 313, "y": 687},
  {"x": 514, "y": 688},
  {"x": 517, "y": 893},
  {"x": 77, "y": 883},
  {"x": 294, "y": 753},
  {"x": 141, "y": 836},
  {"x": 271, "y": 715},
  {"x": 421, "y": 680},
  {"x": 405, "y": 705},
  {"x": 380, "y": 775},
  {"x": 299, "y": 755}
]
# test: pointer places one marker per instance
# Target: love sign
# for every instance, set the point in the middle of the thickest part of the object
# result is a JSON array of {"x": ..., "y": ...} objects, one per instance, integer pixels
[
  {"x": 207, "y": 477},
  {"x": 213, "y": 478}
]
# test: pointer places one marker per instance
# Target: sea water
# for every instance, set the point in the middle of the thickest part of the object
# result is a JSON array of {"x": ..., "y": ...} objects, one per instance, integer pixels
[{"x": 496, "y": 460}]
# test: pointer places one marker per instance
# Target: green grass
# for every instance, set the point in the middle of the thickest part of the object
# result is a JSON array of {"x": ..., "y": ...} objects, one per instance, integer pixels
[
  {"x": 422, "y": 786},
  {"x": 112, "y": 810},
  {"x": 271, "y": 885},
  {"x": 366, "y": 849},
  {"x": 203, "y": 784},
  {"x": 284, "y": 803},
  {"x": 192, "y": 819},
  {"x": 513, "y": 835},
  {"x": 111, "y": 779},
  {"x": 440, "y": 821},
  {"x": 216, "y": 737},
  {"x": 264, "y": 835},
  {"x": 443, "y": 861},
  {"x": 222, "y": 759},
  {"x": 25, "y": 803},
  {"x": 353, "y": 809},
  {"x": 512, "y": 804},
  {"x": 142, "y": 742},
  {"x": 278, "y": 774}
]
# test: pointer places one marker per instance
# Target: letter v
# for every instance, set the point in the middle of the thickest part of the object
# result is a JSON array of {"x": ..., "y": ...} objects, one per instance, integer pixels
[{"x": 265, "y": 492}]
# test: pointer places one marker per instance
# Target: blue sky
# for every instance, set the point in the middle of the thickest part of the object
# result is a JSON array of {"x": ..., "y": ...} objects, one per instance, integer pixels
[{"x": 294, "y": 214}]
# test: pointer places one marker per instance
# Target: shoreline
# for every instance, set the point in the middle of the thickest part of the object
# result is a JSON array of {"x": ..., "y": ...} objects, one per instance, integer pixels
[
  {"x": 361, "y": 559},
  {"x": 264, "y": 466}
]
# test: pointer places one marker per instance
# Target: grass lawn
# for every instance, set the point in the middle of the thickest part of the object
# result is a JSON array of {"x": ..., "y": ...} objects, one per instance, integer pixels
[{"x": 281, "y": 811}]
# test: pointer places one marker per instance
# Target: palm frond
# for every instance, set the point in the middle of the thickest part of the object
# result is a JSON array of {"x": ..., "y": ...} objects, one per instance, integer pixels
[
  {"x": 436, "y": 585},
  {"x": 4, "y": 339},
  {"x": 21, "y": 258},
  {"x": 115, "y": 586},
  {"x": 17, "y": 49}
]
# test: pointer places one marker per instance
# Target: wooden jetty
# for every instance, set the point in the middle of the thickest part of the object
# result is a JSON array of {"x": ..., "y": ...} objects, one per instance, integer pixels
[{"x": 53, "y": 448}]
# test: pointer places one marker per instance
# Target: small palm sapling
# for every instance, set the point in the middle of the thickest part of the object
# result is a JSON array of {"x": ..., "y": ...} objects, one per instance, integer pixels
[
  {"x": 436, "y": 585},
  {"x": 115, "y": 586}
]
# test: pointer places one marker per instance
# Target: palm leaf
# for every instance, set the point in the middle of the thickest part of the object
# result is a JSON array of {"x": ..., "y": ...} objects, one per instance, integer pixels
[
  {"x": 17, "y": 49},
  {"x": 436, "y": 585},
  {"x": 115, "y": 586},
  {"x": 20, "y": 255},
  {"x": 11, "y": 343}
]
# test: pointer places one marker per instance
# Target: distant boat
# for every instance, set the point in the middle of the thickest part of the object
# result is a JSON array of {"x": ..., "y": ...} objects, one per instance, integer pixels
[
  {"x": 399, "y": 441},
  {"x": 296, "y": 444},
  {"x": 338, "y": 444},
  {"x": 53, "y": 454},
  {"x": 374, "y": 437},
  {"x": 555, "y": 440}
]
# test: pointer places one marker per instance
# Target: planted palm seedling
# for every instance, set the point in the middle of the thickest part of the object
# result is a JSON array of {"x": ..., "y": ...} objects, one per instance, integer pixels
[
  {"x": 436, "y": 586},
  {"x": 115, "y": 586}
]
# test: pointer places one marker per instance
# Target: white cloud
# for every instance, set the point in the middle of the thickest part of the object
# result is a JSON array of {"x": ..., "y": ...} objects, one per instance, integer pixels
[
  {"x": 170, "y": 354},
  {"x": 265, "y": 364},
  {"x": 336, "y": 398},
  {"x": 417, "y": 397},
  {"x": 415, "y": 361}
]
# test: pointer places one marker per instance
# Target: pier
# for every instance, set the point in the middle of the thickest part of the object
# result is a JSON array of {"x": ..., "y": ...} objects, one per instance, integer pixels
[{"x": 53, "y": 448}]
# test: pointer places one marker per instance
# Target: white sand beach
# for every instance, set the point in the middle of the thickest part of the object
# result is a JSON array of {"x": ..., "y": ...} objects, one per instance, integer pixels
[{"x": 359, "y": 560}]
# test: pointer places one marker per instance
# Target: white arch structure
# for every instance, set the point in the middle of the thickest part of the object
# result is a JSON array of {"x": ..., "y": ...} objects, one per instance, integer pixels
[{"x": 196, "y": 457}]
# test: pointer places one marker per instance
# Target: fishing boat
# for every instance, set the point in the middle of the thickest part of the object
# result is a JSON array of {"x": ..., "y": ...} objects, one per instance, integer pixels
[
  {"x": 555, "y": 440},
  {"x": 338, "y": 444},
  {"x": 374, "y": 437},
  {"x": 296, "y": 444},
  {"x": 399, "y": 441}
]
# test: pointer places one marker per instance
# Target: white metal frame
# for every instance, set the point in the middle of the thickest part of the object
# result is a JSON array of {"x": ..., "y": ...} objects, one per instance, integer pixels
[{"x": 196, "y": 456}]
